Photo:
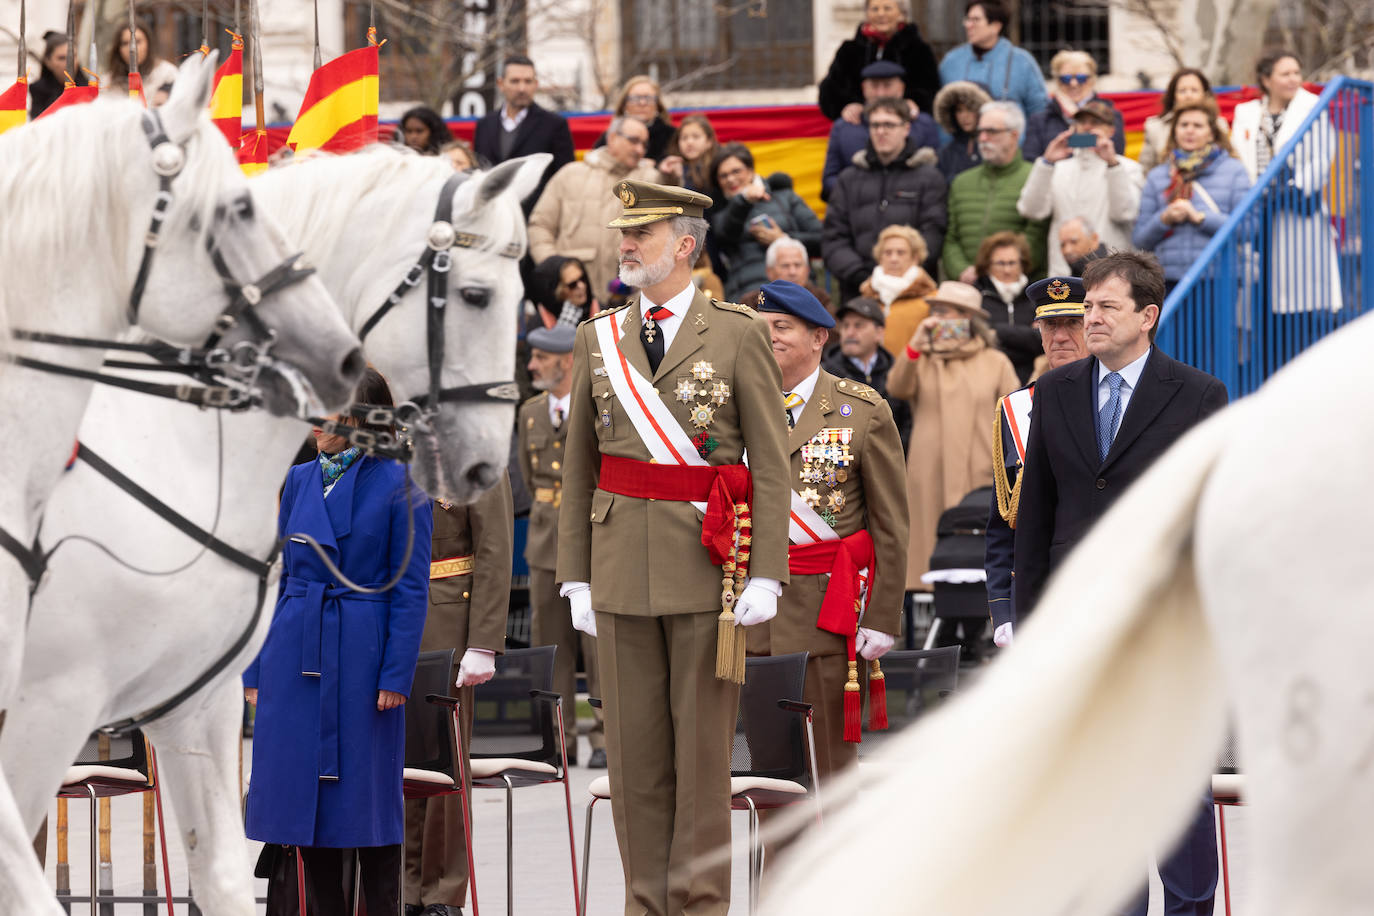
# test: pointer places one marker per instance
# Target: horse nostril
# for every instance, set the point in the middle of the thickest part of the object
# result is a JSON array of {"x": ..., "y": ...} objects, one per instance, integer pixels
[
  {"x": 483, "y": 475},
  {"x": 353, "y": 365}
]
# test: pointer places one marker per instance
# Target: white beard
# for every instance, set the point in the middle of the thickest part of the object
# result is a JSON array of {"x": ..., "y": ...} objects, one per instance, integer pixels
[{"x": 642, "y": 275}]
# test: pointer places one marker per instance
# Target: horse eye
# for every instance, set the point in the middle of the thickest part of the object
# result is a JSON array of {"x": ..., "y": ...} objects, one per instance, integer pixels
[
  {"x": 475, "y": 296},
  {"x": 243, "y": 207}
]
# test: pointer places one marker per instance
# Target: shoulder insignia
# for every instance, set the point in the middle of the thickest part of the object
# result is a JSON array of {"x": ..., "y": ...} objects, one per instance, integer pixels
[
  {"x": 537, "y": 399},
  {"x": 860, "y": 390},
  {"x": 732, "y": 307},
  {"x": 604, "y": 312}
]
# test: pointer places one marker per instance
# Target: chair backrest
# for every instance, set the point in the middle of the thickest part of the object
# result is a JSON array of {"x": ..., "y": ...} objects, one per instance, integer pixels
[
  {"x": 507, "y": 721},
  {"x": 126, "y": 750},
  {"x": 429, "y": 727},
  {"x": 770, "y": 741},
  {"x": 918, "y": 680}
]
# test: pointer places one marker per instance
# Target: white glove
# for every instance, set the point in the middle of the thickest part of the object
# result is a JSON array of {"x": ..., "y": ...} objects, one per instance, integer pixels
[
  {"x": 758, "y": 603},
  {"x": 476, "y": 667},
  {"x": 1001, "y": 637},
  {"x": 579, "y": 595},
  {"x": 872, "y": 644}
]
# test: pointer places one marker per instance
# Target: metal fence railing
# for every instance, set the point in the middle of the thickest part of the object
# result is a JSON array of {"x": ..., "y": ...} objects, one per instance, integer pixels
[{"x": 1295, "y": 261}]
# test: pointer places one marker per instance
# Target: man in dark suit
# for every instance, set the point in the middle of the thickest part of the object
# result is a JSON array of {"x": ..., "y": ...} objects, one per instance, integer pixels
[
  {"x": 1096, "y": 425},
  {"x": 520, "y": 127}
]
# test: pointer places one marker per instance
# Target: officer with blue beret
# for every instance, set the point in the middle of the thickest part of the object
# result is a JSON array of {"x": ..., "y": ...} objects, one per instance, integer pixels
[{"x": 794, "y": 299}]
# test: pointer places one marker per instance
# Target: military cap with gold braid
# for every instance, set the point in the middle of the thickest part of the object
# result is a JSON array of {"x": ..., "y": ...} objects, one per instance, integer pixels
[
  {"x": 646, "y": 203},
  {"x": 1054, "y": 297}
]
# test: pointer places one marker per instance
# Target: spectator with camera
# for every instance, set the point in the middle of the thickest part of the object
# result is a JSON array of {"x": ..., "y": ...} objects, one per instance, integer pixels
[{"x": 1074, "y": 76}]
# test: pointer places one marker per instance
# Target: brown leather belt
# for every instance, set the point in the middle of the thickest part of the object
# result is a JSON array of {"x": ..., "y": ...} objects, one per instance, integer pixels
[{"x": 453, "y": 566}]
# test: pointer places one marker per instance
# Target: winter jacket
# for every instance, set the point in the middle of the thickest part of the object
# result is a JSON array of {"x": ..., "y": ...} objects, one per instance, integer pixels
[
  {"x": 847, "y": 139},
  {"x": 842, "y": 84},
  {"x": 870, "y": 196},
  {"x": 571, "y": 216},
  {"x": 1051, "y": 121},
  {"x": 906, "y": 312},
  {"x": 1083, "y": 185},
  {"x": 1016, "y": 335},
  {"x": 841, "y": 366},
  {"x": 960, "y": 150},
  {"x": 743, "y": 254},
  {"x": 982, "y": 201},
  {"x": 1225, "y": 181},
  {"x": 1005, "y": 71}
]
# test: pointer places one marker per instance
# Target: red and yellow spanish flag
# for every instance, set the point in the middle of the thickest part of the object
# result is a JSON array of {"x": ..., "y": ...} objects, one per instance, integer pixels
[
  {"x": 136, "y": 88},
  {"x": 252, "y": 152},
  {"x": 14, "y": 104},
  {"x": 72, "y": 95},
  {"x": 339, "y": 113},
  {"x": 226, "y": 104}
]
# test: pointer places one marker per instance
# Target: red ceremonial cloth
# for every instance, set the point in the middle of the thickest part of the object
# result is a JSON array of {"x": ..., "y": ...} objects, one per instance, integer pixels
[
  {"x": 842, "y": 559},
  {"x": 721, "y": 486},
  {"x": 72, "y": 95}
]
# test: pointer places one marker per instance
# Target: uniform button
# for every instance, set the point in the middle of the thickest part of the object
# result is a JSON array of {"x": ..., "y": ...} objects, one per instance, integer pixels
[
  {"x": 558, "y": 445},
  {"x": 556, "y": 465},
  {"x": 1101, "y": 483},
  {"x": 465, "y": 596}
]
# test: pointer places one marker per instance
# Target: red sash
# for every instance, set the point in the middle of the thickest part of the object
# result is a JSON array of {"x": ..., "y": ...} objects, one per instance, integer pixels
[
  {"x": 721, "y": 486},
  {"x": 842, "y": 559}
]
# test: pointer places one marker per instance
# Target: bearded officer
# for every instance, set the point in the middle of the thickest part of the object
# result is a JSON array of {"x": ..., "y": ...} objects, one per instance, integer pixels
[
  {"x": 543, "y": 427},
  {"x": 1058, "y": 305},
  {"x": 668, "y": 392},
  {"x": 846, "y": 465},
  {"x": 469, "y": 596}
]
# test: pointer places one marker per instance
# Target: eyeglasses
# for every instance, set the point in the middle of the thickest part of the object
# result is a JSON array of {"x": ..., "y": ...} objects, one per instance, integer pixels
[
  {"x": 974, "y": 20},
  {"x": 1015, "y": 262},
  {"x": 641, "y": 99},
  {"x": 885, "y": 125},
  {"x": 992, "y": 130},
  {"x": 634, "y": 141},
  {"x": 732, "y": 173},
  {"x": 1068, "y": 79},
  {"x": 579, "y": 281}
]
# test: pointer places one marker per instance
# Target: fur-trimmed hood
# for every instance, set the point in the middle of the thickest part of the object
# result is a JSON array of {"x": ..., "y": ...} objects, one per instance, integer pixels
[
  {"x": 962, "y": 92},
  {"x": 923, "y": 156}
]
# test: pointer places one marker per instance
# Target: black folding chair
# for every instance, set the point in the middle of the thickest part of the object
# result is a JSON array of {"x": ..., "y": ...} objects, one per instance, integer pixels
[
  {"x": 517, "y": 741},
  {"x": 111, "y": 765},
  {"x": 918, "y": 680}
]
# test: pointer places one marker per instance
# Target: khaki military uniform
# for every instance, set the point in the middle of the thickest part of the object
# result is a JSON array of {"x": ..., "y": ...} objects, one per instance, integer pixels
[
  {"x": 541, "y": 461},
  {"x": 872, "y": 496},
  {"x": 669, "y": 720},
  {"x": 469, "y": 596}
]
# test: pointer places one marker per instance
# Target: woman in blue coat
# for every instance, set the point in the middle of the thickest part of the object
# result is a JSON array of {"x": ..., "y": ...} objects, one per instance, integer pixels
[{"x": 334, "y": 672}]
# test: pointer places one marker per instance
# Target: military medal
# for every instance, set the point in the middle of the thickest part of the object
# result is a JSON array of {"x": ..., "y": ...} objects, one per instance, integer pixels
[
  {"x": 828, "y": 517},
  {"x": 686, "y": 390},
  {"x": 702, "y": 414},
  {"x": 720, "y": 393},
  {"x": 703, "y": 371},
  {"x": 811, "y": 497}
]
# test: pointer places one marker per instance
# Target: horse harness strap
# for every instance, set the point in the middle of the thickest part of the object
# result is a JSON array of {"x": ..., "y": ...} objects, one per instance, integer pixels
[{"x": 30, "y": 558}]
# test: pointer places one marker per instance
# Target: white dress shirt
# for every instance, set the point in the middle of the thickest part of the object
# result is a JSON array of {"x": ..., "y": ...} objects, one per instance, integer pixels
[
  {"x": 1130, "y": 377},
  {"x": 678, "y": 305},
  {"x": 805, "y": 388},
  {"x": 507, "y": 122},
  {"x": 556, "y": 404}
]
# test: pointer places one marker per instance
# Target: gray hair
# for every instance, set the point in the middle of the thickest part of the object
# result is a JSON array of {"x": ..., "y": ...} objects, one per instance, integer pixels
[
  {"x": 1015, "y": 118},
  {"x": 1088, "y": 227},
  {"x": 616, "y": 124},
  {"x": 778, "y": 246},
  {"x": 695, "y": 226}
]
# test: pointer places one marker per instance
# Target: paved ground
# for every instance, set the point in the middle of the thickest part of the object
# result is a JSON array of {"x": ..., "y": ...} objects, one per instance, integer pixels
[{"x": 543, "y": 879}]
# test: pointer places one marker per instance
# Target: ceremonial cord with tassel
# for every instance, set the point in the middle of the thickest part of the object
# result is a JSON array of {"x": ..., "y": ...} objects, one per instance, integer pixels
[{"x": 729, "y": 641}]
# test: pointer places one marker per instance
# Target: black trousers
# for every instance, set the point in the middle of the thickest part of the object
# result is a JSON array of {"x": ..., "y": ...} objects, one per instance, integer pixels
[
  {"x": 329, "y": 882},
  {"x": 1190, "y": 872}
]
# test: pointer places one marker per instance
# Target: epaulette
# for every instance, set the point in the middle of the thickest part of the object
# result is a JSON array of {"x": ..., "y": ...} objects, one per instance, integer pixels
[
  {"x": 859, "y": 390},
  {"x": 538, "y": 397},
  {"x": 732, "y": 307},
  {"x": 604, "y": 312}
]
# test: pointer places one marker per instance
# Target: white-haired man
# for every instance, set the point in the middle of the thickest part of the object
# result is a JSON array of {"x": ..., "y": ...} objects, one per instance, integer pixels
[{"x": 786, "y": 259}]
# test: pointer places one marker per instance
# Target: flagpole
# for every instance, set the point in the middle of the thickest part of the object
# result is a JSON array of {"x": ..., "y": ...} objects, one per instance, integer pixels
[
  {"x": 23, "y": 51},
  {"x": 205, "y": 27},
  {"x": 71, "y": 44},
  {"x": 318, "y": 60},
  {"x": 255, "y": 24},
  {"x": 133, "y": 39}
]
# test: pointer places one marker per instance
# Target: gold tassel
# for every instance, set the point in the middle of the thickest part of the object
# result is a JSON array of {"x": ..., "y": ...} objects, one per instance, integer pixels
[
  {"x": 1008, "y": 497},
  {"x": 729, "y": 641}
]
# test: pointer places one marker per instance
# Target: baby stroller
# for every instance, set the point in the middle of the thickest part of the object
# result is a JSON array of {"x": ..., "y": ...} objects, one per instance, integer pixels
[{"x": 960, "y": 583}]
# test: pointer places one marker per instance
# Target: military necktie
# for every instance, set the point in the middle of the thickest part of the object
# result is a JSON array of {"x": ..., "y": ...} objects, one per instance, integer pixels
[
  {"x": 789, "y": 403},
  {"x": 1109, "y": 416},
  {"x": 652, "y": 335},
  {"x": 558, "y": 418}
]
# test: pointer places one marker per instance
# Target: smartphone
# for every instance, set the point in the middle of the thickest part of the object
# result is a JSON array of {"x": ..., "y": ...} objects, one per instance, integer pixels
[
  {"x": 950, "y": 329},
  {"x": 1082, "y": 141},
  {"x": 763, "y": 219}
]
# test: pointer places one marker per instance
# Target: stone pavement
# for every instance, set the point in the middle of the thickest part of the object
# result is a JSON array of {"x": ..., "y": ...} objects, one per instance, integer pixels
[{"x": 543, "y": 878}]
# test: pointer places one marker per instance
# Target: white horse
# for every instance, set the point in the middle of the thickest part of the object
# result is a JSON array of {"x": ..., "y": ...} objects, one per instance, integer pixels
[
  {"x": 91, "y": 242},
  {"x": 1045, "y": 788},
  {"x": 138, "y": 640}
]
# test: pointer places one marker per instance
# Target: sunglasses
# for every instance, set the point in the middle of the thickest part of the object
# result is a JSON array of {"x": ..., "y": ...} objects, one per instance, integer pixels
[
  {"x": 578, "y": 281},
  {"x": 1068, "y": 79}
]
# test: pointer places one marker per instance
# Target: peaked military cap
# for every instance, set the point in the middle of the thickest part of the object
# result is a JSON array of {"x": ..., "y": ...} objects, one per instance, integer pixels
[
  {"x": 646, "y": 203},
  {"x": 789, "y": 297},
  {"x": 1057, "y": 296}
]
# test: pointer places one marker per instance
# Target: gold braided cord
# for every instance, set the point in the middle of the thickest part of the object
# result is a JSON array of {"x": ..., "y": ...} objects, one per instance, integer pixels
[{"x": 1008, "y": 496}]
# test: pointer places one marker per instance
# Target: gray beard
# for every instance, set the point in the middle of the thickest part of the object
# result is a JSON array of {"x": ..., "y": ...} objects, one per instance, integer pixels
[{"x": 648, "y": 274}]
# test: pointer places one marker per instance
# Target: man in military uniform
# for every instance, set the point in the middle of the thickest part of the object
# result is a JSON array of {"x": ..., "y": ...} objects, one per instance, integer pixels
[
  {"x": 668, "y": 392},
  {"x": 542, "y": 426},
  {"x": 1058, "y": 305},
  {"x": 469, "y": 595},
  {"x": 847, "y": 463}
]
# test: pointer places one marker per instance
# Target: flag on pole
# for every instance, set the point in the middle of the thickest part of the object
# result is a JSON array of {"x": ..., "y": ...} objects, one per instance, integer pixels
[
  {"x": 226, "y": 103},
  {"x": 14, "y": 104},
  {"x": 136, "y": 88},
  {"x": 252, "y": 152},
  {"x": 72, "y": 95},
  {"x": 339, "y": 112}
]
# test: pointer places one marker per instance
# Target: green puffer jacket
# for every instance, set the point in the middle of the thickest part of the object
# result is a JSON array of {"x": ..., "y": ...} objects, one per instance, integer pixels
[{"x": 982, "y": 200}]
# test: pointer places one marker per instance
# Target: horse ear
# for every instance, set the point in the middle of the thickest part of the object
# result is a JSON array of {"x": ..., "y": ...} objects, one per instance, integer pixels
[
  {"x": 519, "y": 176},
  {"x": 191, "y": 92}
]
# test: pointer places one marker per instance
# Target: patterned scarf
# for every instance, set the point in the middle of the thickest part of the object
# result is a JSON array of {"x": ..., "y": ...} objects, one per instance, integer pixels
[
  {"x": 1187, "y": 168},
  {"x": 878, "y": 38},
  {"x": 332, "y": 467}
]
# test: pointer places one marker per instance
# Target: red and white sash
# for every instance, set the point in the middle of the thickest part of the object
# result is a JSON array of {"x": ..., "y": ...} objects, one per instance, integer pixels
[{"x": 1016, "y": 408}]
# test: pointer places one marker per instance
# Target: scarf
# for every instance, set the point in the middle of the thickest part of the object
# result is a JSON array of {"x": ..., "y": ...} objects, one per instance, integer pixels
[
  {"x": 878, "y": 38},
  {"x": 332, "y": 467},
  {"x": 890, "y": 288},
  {"x": 1187, "y": 167},
  {"x": 1008, "y": 292}
]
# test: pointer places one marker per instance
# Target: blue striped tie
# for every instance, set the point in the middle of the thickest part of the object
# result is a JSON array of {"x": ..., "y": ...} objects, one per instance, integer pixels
[{"x": 1109, "y": 416}]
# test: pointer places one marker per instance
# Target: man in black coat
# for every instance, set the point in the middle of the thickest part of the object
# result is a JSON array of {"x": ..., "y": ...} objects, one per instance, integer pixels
[
  {"x": 889, "y": 182},
  {"x": 1096, "y": 425},
  {"x": 859, "y": 355},
  {"x": 520, "y": 127},
  {"x": 840, "y": 87}
]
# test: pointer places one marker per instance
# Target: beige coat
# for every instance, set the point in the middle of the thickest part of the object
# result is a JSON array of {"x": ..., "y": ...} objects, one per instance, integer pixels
[
  {"x": 905, "y": 314},
  {"x": 571, "y": 216},
  {"x": 953, "y": 397}
]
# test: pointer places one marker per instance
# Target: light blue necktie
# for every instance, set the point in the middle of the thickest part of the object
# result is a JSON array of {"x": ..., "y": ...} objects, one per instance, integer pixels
[{"x": 1109, "y": 416}]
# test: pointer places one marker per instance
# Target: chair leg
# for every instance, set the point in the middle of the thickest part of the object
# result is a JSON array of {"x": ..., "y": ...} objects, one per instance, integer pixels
[
  {"x": 161, "y": 830},
  {"x": 1225, "y": 864},
  {"x": 567, "y": 799},
  {"x": 358, "y": 879},
  {"x": 300, "y": 881},
  {"x": 95, "y": 910},
  {"x": 510, "y": 847},
  {"x": 753, "y": 856},
  {"x": 933, "y": 634},
  {"x": 586, "y": 857},
  {"x": 460, "y": 760}
]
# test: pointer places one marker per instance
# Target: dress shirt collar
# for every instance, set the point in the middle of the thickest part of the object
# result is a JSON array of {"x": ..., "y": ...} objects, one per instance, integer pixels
[
  {"x": 678, "y": 305},
  {"x": 805, "y": 388},
  {"x": 509, "y": 123},
  {"x": 556, "y": 404}
]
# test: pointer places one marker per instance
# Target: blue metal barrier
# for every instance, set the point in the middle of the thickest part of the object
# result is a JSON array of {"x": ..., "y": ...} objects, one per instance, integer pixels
[{"x": 1295, "y": 261}]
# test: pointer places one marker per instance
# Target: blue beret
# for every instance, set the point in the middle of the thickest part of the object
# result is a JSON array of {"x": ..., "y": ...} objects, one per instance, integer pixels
[
  {"x": 786, "y": 296},
  {"x": 557, "y": 339},
  {"x": 882, "y": 70},
  {"x": 1056, "y": 296}
]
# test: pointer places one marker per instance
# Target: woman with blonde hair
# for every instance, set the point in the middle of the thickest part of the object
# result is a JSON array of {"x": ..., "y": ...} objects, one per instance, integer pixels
[
  {"x": 899, "y": 283},
  {"x": 640, "y": 98},
  {"x": 1074, "y": 75}
]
